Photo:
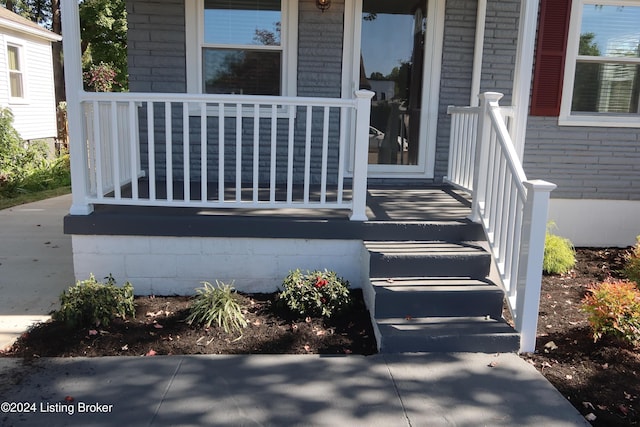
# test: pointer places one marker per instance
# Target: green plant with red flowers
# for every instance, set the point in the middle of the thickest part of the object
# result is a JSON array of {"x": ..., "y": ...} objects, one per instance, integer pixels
[
  {"x": 613, "y": 307},
  {"x": 316, "y": 293}
]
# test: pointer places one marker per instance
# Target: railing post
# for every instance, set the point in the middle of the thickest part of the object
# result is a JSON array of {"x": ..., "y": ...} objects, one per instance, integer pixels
[
  {"x": 481, "y": 160},
  {"x": 73, "y": 77},
  {"x": 534, "y": 224},
  {"x": 359, "y": 197}
]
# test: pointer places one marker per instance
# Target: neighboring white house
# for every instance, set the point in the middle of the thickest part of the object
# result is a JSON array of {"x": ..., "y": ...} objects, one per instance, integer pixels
[{"x": 26, "y": 75}]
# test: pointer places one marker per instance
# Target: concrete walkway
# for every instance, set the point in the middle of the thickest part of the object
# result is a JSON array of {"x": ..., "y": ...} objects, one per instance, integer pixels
[
  {"x": 462, "y": 389},
  {"x": 35, "y": 264}
]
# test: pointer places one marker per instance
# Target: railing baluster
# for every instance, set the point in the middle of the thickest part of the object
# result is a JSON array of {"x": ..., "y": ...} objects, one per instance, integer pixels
[
  {"x": 290, "y": 145},
  {"x": 307, "y": 155},
  {"x": 341, "y": 152},
  {"x": 186, "y": 172},
  {"x": 133, "y": 137},
  {"x": 151, "y": 150},
  {"x": 221, "y": 152},
  {"x": 203, "y": 153},
  {"x": 273, "y": 145},
  {"x": 256, "y": 151},
  {"x": 115, "y": 154},
  {"x": 238, "y": 152},
  {"x": 97, "y": 145},
  {"x": 325, "y": 156},
  {"x": 168, "y": 149}
]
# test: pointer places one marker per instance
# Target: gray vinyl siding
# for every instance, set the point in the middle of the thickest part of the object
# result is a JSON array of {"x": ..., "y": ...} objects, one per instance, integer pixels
[
  {"x": 156, "y": 46},
  {"x": 457, "y": 67},
  {"x": 501, "y": 31},
  {"x": 584, "y": 162}
]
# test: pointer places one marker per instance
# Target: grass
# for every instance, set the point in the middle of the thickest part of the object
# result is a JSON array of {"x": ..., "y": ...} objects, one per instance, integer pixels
[{"x": 33, "y": 197}]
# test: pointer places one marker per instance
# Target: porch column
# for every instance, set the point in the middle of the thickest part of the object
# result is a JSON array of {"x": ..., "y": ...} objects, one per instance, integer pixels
[
  {"x": 360, "y": 163},
  {"x": 524, "y": 71},
  {"x": 73, "y": 80}
]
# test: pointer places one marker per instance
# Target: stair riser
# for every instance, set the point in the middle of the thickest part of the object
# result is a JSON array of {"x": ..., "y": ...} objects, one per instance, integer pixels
[
  {"x": 474, "y": 266},
  {"x": 448, "y": 232},
  {"x": 438, "y": 304},
  {"x": 470, "y": 343}
]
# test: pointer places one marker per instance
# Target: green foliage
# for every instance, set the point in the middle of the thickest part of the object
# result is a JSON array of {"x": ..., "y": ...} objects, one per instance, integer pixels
[
  {"x": 613, "y": 307},
  {"x": 103, "y": 25},
  {"x": 100, "y": 77},
  {"x": 559, "y": 254},
  {"x": 217, "y": 304},
  {"x": 92, "y": 303},
  {"x": 316, "y": 293},
  {"x": 632, "y": 263}
]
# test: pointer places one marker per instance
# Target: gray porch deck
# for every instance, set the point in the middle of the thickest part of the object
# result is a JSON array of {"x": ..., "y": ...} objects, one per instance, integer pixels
[{"x": 388, "y": 207}]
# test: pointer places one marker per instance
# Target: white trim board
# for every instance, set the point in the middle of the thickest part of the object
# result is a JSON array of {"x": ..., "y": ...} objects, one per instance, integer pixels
[{"x": 596, "y": 223}]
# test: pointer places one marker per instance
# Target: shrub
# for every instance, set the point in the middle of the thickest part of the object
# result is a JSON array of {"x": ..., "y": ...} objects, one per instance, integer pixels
[
  {"x": 632, "y": 263},
  {"x": 316, "y": 293},
  {"x": 92, "y": 303},
  {"x": 613, "y": 307},
  {"x": 217, "y": 304},
  {"x": 559, "y": 254}
]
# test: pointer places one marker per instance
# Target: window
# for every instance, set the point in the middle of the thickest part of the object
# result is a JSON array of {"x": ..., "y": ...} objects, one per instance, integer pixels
[
  {"x": 242, "y": 46},
  {"x": 602, "y": 68},
  {"x": 14, "y": 62}
]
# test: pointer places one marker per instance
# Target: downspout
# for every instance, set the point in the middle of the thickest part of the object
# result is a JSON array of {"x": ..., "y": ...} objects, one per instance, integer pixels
[
  {"x": 478, "y": 51},
  {"x": 523, "y": 71}
]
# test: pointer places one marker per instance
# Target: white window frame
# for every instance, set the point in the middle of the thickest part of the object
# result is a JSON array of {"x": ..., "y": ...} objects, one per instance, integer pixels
[
  {"x": 22, "y": 62},
  {"x": 567, "y": 118},
  {"x": 194, "y": 34}
]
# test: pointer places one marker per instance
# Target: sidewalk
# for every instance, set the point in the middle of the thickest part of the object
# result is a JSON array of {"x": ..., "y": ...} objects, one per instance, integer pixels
[
  {"x": 463, "y": 389},
  {"x": 35, "y": 264},
  {"x": 286, "y": 390}
]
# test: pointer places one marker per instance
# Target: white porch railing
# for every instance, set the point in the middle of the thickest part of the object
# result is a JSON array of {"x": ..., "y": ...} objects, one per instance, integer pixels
[
  {"x": 225, "y": 151},
  {"x": 512, "y": 209}
]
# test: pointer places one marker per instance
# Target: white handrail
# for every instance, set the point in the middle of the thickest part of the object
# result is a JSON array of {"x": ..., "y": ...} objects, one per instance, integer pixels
[
  {"x": 224, "y": 151},
  {"x": 511, "y": 209}
]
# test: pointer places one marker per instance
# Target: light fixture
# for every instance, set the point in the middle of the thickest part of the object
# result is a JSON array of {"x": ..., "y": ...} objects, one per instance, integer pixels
[{"x": 323, "y": 4}]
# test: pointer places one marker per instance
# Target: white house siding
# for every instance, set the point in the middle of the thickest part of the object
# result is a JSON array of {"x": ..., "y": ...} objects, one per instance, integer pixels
[
  {"x": 178, "y": 265},
  {"x": 35, "y": 116}
]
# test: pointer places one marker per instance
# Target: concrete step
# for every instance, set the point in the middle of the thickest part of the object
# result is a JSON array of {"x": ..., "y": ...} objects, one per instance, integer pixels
[
  {"x": 446, "y": 231},
  {"x": 427, "y": 259},
  {"x": 446, "y": 334},
  {"x": 436, "y": 296}
]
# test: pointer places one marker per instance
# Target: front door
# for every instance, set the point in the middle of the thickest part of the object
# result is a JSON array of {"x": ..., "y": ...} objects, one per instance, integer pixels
[{"x": 392, "y": 64}]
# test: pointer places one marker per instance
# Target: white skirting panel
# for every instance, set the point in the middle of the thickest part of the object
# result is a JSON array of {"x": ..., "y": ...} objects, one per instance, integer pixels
[
  {"x": 177, "y": 265},
  {"x": 596, "y": 223}
]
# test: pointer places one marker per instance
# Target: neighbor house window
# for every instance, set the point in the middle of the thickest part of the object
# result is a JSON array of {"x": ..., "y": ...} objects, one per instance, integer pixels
[
  {"x": 16, "y": 69},
  {"x": 242, "y": 46},
  {"x": 602, "y": 67}
]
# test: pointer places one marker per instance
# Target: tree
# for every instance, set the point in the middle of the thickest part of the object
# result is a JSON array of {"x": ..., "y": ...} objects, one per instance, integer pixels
[{"x": 103, "y": 27}]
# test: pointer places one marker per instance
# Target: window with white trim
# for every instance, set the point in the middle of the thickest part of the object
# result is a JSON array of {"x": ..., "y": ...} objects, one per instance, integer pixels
[
  {"x": 16, "y": 70},
  {"x": 602, "y": 68},
  {"x": 242, "y": 47}
]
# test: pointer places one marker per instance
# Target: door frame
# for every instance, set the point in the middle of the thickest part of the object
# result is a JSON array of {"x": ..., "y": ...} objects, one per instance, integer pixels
[{"x": 434, "y": 37}]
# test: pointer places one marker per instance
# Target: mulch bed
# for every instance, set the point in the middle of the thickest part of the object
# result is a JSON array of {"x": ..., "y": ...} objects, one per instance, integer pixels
[
  {"x": 599, "y": 378},
  {"x": 159, "y": 328}
]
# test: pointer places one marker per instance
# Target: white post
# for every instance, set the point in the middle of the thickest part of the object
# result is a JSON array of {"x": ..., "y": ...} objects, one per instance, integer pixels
[
  {"x": 534, "y": 224},
  {"x": 523, "y": 71},
  {"x": 481, "y": 160},
  {"x": 73, "y": 82},
  {"x": 360, "y": 163},
  {"x": 476, "y": 76}
]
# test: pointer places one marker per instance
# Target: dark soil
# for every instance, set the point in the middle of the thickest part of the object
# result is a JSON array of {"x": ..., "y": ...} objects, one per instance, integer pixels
[
  {"x": 160, "y": 328},
  {"x": 599, "y": 378}
]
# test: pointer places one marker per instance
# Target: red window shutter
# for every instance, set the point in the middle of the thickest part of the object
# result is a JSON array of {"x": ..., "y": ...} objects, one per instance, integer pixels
[{"x": 551, "y": 49}]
